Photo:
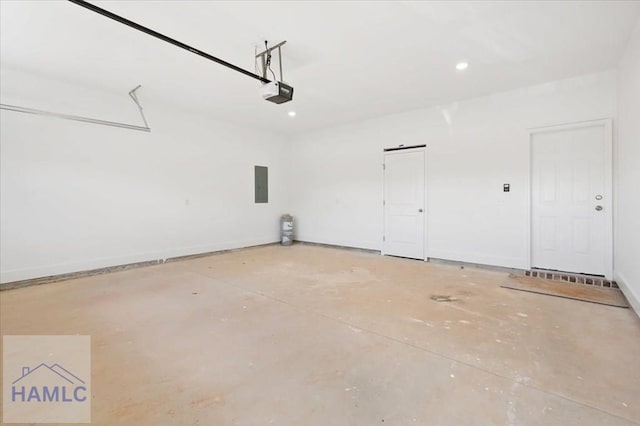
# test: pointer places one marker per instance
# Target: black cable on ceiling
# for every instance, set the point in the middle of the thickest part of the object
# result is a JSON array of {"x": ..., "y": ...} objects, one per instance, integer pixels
[{"x": 163, "y": 37}]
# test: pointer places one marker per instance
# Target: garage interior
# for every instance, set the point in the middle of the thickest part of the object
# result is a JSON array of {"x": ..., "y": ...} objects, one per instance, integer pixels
[{"x": 440, "y": 227}]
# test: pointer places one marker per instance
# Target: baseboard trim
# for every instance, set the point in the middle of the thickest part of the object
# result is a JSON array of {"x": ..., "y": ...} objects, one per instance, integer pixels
[
  {"x": 347, "y": 243},
  {"x": 476, "y": 265},
  {"x": 311, "y": 243},
  {"x": 88, "y": 264},
  {"x": 430, "y": 259},
  {"x": 478, "y": 259},
  {"x": 632, "y": 297},
  {"x": 117, "y": 268}
]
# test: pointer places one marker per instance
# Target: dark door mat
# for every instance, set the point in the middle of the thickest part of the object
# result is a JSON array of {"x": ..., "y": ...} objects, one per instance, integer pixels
[{"x": 603, "y": 296}]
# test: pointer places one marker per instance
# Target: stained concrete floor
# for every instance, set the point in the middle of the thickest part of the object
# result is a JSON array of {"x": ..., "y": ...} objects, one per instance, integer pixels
[{"x": 309, "y": 335}]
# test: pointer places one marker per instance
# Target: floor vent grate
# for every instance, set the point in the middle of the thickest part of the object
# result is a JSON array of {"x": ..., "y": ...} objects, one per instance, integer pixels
[{"x": 572, "y": 278}]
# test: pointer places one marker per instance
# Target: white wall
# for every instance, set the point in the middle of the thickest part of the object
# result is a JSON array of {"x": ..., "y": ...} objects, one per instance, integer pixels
[
  {"x": 77, "y": 196},
  {"x": 473, "y": 147},
  {"x": 627, "y": 176}
]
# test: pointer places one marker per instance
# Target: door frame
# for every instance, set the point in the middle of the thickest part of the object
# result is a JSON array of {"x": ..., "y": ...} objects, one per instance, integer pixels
[
  {"x": 391, "y": 150},
  {"x": 607, "y": 124}
]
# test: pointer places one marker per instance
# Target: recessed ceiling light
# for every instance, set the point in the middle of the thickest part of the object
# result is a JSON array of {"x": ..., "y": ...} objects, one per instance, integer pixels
[
  {"x": 462, "y": 66},
  {"x": 292, "y": 113}
]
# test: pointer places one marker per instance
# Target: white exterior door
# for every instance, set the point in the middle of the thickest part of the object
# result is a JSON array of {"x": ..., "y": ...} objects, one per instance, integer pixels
[
  {"x": 571, "y": 217},
  {"x": 404, "y": 193}
]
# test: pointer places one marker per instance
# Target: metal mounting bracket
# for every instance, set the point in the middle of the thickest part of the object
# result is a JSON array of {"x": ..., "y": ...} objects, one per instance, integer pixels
[
  {"x": 263, "y": 58},
  {"x": 132, "y": 94}
]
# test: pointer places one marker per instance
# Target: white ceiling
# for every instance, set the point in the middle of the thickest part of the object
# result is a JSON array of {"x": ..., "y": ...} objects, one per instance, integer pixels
[{"x": 346, "y": 60}]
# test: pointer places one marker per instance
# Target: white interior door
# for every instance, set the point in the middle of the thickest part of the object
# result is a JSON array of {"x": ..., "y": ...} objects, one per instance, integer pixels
[
  {"x": 571, "y": 198},
  {"x": 404, "y": 203}
]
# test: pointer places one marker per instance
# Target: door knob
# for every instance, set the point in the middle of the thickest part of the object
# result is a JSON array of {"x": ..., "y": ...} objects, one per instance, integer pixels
[
  {"x": 419, "y": 210},
  {"x": 598, "y": 208}
]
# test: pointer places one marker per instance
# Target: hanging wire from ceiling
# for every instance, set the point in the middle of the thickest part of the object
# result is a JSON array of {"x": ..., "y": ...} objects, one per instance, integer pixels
[{"x": 268, "y": 62}]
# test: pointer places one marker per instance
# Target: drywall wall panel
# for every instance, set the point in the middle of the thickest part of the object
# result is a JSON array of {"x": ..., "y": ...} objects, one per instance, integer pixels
[
  {"x": 627, "y": 174},
  {"x": 78, "y": 196},
  {"x": 473, "y": 148}
]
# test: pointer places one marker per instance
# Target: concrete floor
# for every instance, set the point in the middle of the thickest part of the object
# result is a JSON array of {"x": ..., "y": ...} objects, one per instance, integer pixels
[{"x": 308, "y": 335}]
